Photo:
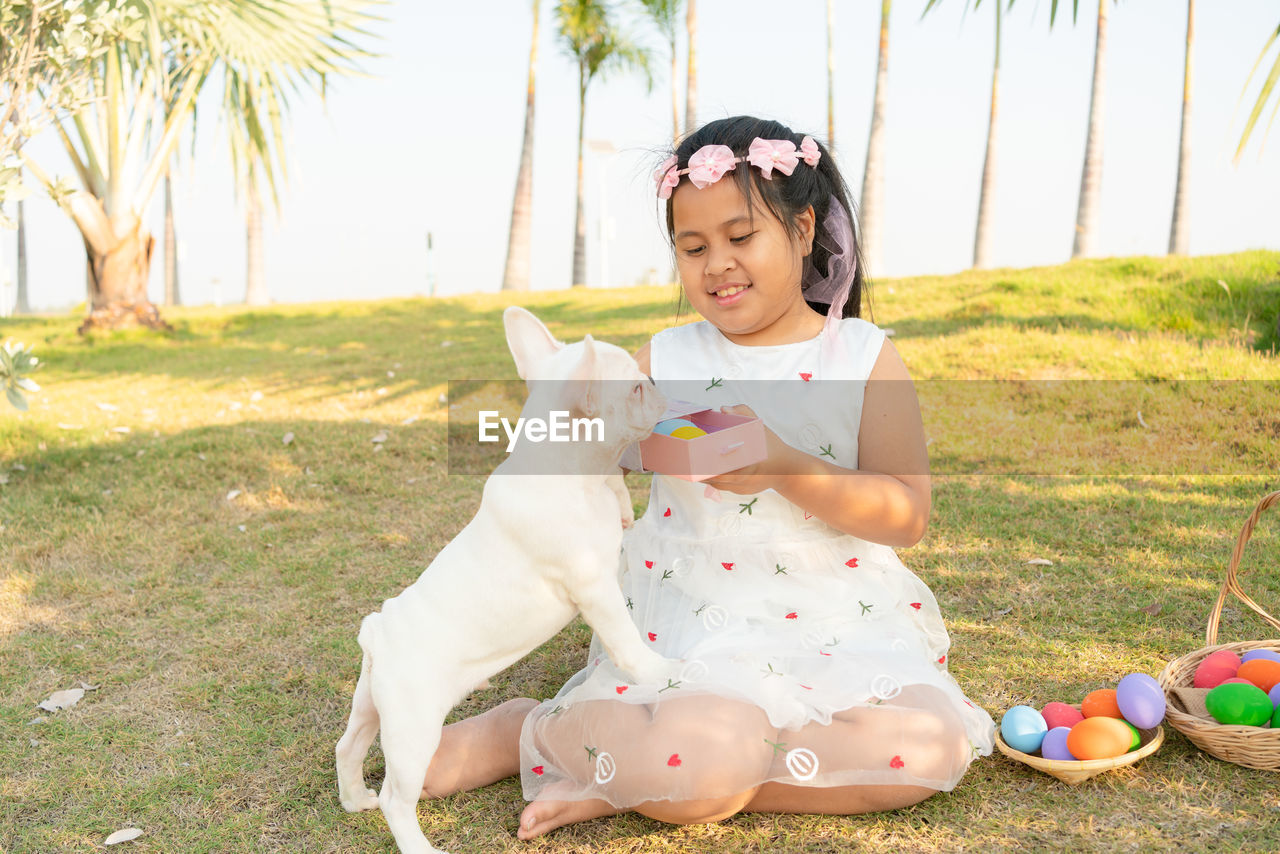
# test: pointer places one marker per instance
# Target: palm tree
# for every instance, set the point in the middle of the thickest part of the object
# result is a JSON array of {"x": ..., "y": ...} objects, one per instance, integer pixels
[
  {"x": 691, "y": 69},
  {"x": 1091, "y": 175},
  {"x": 872, "y": 200},
  {"x": 1180, "y": 228},
  {"x": 515, "y": 275},
  {"x": 986, "y": 196},
  {"x": 171, "y": 296},
  {"x": 1268, "y": 88},
  {"x": 831, "y": 69},
  {"x": 121, "y": 146},
  {"x": 22, "y": 306},
  {"x": 664, "y": 14},
  {"x": 589, "y": 35}
]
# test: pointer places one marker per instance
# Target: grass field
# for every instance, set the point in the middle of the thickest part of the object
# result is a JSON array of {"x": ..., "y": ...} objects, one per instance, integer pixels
[{"x": 221, "y": 631}]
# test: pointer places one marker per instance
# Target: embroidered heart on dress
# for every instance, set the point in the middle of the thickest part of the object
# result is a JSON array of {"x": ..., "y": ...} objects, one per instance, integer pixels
[
  {"x": 674, "y": 761},
  {"x": 915, "y": 605},
  {"x": 728, "y": 566},
  {"x": 806, "y": 376},
  {"x": 648, "y": 564},
  {"x": 537, "y": 769},
  {"x": 621, "y": 689},
  {"x": 793, "y": 616},
  {"x": 652, "y": 636},
  {"x": 668, "y": 512},
  {"x": 942, "y": 660},
  {"x": 852, "y": 563},
  {"x": 896, "y": 762}
]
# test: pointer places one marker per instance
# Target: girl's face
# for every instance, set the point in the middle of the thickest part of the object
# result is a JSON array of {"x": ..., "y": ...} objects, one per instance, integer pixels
[{"x": 742, "y": 275}]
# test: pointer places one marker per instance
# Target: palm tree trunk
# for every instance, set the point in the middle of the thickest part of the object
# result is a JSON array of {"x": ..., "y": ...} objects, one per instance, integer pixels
[
  {"x": 982, "y": 238},
  {"x": 118, "y": 255},
  {"x": 1091, "y": 176},
  {"x": 872, "y": 213},
  {"x": 675, "y": 95},
  {"x": 255, "y": 290},
  {"x": 515, "y": 276},
  {"x": 831, "y": 67},
  {"x": 580, "y": 223},
  {"x": 691, "y": 78},
  {"x": 1180, "y": 229},
  {"x": 22, "y": 306},
  {"x": 170, "y": 247}
]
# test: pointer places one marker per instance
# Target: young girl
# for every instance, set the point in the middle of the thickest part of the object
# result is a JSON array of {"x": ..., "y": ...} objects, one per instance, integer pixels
[{"x": 814, "y": 675}]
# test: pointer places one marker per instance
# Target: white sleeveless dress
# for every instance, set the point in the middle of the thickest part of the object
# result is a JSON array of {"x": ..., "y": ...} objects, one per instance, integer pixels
[{"x": 762, "y": 602}]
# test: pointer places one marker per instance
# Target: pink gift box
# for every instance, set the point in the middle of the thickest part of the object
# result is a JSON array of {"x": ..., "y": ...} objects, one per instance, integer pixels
[{"x": 732, "y": 441}]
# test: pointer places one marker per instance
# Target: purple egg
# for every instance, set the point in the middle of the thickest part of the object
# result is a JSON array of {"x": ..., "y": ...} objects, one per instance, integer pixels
[
  {"x": 1054, "y": 745},
  {"x": 1141, "y": 700},
  {"x": 1260, "y": 653},
  {"x": 1274, "y": 696}
]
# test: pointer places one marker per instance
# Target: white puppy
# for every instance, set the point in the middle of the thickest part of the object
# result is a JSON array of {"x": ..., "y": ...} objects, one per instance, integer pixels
[{"x": 541, "y": 548}]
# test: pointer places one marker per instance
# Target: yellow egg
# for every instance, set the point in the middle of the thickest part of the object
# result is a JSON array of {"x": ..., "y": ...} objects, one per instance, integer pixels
[
  {"x": 688, "y": 432},
  {"x": 1099, "y": 738}
]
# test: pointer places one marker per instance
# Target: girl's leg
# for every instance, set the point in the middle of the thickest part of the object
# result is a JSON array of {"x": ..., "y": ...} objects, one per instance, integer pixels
[
  {"x": 478, "y": 751},
  {"x": 915, "y": 731},
  {"x": 704, "y": 754}
]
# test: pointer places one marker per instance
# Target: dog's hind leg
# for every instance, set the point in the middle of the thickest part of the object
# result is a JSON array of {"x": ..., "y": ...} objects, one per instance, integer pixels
[
  {"x": 354, "y": 744},
  {"x": 412, "y": 717}
]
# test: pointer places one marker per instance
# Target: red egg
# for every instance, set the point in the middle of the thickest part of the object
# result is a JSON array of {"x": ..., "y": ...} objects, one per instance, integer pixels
[
  {"x": 1236, "y": 680},
  {"x": 1216, "y": 669},
  {"x": 1099, "y": 737},
  {"x": 1060, "y": 714},
  {"x": 1100, "y": 704},
  {"x": 1261, "y": 672}
]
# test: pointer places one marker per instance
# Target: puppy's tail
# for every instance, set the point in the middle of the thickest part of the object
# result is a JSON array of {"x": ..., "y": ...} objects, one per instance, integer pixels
[{"x": 370, "y": 634}]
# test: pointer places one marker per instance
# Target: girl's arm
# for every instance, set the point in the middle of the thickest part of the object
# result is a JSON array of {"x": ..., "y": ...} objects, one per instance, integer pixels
[{"x": 887, "y": 499}]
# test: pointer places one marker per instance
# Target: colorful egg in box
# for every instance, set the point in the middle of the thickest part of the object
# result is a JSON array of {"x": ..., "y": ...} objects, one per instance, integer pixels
[
  {"x": 1243, "y": 705},
  {"x": 1099, "y": 737}
]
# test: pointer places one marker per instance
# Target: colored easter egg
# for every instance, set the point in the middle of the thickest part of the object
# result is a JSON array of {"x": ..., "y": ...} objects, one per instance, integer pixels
[
  {"x": 1260, "y": 653},
  {"x": 1061, "y": 715},
  {"x": 1141, "y": 700},
  {"x": 1225, "y": 654},
  {"x": 1135, "y": 737},
  {"x": 1261, "y": 672},
  {"x": 1215, "y": 670},
  {"x": 1099, "y": 737},
  {"x": 666, "y": 427},
  {"x": 1274, "y": 696},
  {"x": 1100, "y": 704},
  {"x": 688, "y": 431},
  {"x": 1275, "y": 719},
  {"x": 1236, "y": 680},
  {"x": 1239, "y": 704},
  {"x": 1054, "y": 745},
  {"x": 1023, "y": 729}
]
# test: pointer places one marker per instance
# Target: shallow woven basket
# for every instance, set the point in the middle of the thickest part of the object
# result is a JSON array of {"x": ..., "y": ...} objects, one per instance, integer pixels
[
  {"x": 1252, "y": 747},
  {"x": 1080, "y": 770}
]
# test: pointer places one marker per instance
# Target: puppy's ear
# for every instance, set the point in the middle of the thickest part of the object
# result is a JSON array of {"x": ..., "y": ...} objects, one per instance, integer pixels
[
  {"x": 584, "y": 386},
  {"x": 528, "y": 339}
]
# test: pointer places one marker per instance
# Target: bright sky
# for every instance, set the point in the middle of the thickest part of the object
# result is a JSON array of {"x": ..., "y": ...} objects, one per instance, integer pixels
[{"x": 431, "y": 142}]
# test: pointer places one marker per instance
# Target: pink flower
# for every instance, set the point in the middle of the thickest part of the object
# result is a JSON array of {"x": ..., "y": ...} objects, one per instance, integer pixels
[
  {"x": 709, "y": 163},
  {"x": 809, "y": 150},
  {"x": 666, "y": 178},
  {"x": 770, "y": 154}
]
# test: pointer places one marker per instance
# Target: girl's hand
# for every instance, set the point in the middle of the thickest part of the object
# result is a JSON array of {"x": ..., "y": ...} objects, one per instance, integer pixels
[{"x": 760, "y": 476}]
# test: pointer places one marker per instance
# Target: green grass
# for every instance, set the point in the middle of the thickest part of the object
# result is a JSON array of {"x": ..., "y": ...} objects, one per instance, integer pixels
[{"x": 227, "y": 657}]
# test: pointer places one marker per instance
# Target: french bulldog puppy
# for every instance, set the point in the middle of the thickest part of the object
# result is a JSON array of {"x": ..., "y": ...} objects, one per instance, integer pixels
[{"x": 541, "y": 548}]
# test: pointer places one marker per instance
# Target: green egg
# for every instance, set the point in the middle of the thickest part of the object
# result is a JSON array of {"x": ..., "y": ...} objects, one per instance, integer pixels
[
  {"x": 1135, "y": 737},
  {"x": 1275, "y": 720},
  {"x": 1238, "y": 703}
]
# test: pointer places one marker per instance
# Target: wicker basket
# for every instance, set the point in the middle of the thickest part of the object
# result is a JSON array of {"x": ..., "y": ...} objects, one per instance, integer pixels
[
  {"x": 1252, "y": 747},
  {"x": 1078, "y": 771}
]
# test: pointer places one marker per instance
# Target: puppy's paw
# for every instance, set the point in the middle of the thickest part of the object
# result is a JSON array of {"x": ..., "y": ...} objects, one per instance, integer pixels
[
  {"x": 651, "y": 668},
  {"x": 360, "y": 804},
  {"x": 628, "y": 515}
]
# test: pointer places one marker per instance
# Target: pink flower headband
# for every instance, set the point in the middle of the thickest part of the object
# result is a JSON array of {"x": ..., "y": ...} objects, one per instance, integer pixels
[{"x": 709, "y": 163}]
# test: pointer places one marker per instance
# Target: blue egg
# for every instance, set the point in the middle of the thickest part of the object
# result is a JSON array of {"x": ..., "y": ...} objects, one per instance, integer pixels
[
  {"x": 1260, "y": 653},
  {"x": 1054, "y": 745},
  {"x": 665, "y": 427},
  {"x": 1274, "y": 696},
  {"x": 1023, "y": 728}
]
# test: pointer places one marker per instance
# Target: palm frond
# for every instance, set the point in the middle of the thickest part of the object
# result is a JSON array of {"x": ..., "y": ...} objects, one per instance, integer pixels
[{"x": 1268, "y": 87}]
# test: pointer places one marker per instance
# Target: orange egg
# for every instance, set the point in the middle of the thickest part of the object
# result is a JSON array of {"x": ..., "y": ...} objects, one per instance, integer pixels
[
  {"x": 1100, "y": 704},
  {"x": 1099, "y": 737},
  {"x": 1261, "y": 672}
]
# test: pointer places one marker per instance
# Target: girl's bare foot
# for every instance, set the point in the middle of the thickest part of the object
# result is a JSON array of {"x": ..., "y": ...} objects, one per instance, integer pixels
[
  {"x": 478, "y": 751},
  {"x": 546, "y": 815}
]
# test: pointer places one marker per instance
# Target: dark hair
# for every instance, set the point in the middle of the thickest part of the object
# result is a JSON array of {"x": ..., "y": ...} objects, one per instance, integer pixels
[{"x": 785, "y": 197}]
